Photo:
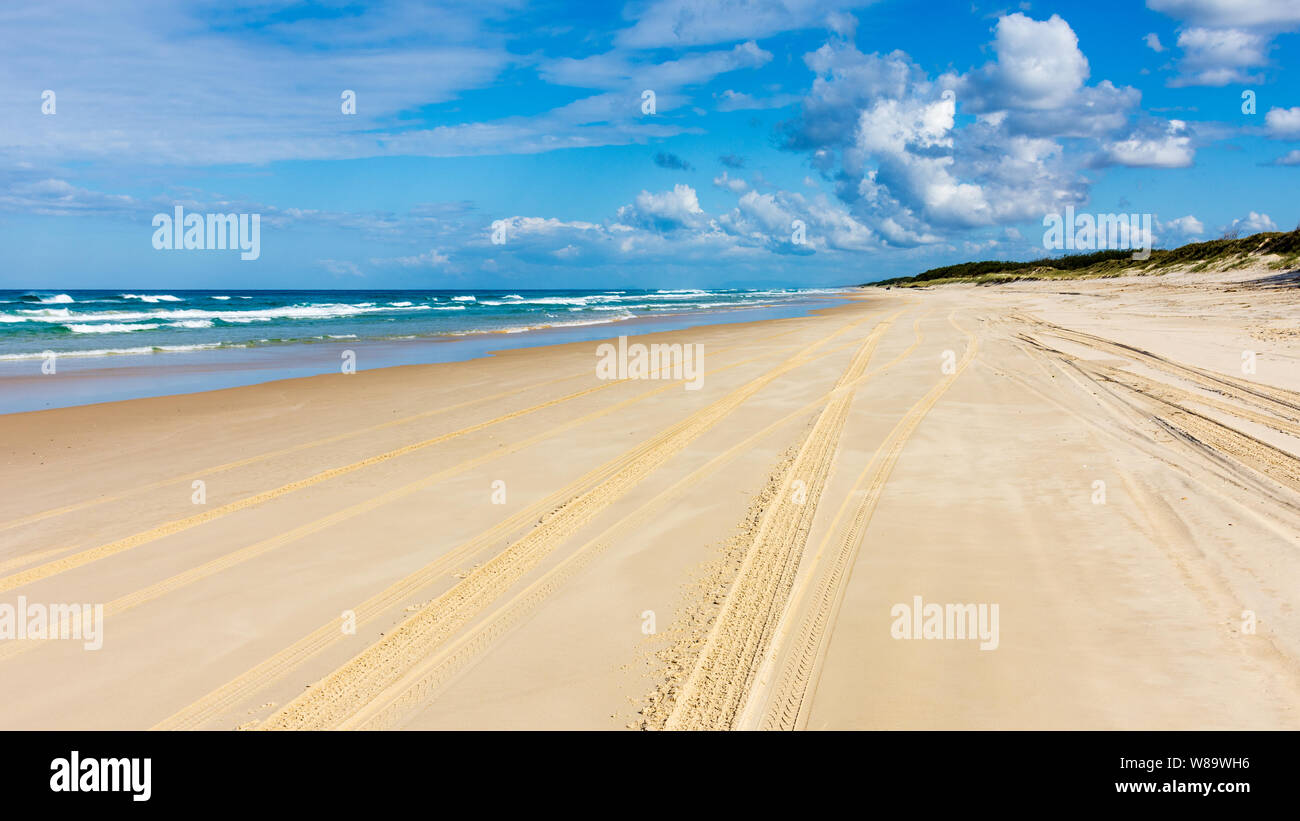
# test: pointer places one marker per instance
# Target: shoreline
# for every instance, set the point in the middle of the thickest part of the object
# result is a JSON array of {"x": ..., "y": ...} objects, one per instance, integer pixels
[{"x": 24, "y": 389}]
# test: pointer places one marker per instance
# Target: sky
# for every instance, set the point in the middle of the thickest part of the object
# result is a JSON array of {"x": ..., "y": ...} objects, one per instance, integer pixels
[{"x": 657, "y": 143}]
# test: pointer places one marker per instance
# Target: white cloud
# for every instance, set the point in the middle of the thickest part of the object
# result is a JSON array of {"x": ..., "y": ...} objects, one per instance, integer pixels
[
  {"x": 1283, "y": 123},
  {"x": 1188, "y": 226},
  {"x": 1172, "y": 149},
  {"x": 1039, "y": 63},
  {"x": 664, "y": 211},
  {"x": 1290, "y": 158},
  {"x": 887, "y": 135},
  {"x": 1216, "y": 57},
  {"x": 735, "y": 185},
  {"x": 1263, "y": 13},
  {"x": 616, "y": 70},
  {"x": 675, "y": 23},
  {"x": 1252, "y": 223},
  {"x": 843, "y": 24},
  {"x": 739, "y": 101},
  {"x": 1153, "y": 42},
  {"x": 1224, "y": 39}
]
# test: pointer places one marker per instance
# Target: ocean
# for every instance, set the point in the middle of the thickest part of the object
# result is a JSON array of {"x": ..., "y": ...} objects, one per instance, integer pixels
[
  {"x": 137, "y": 343},
  {"x": 115, "y": 323}
]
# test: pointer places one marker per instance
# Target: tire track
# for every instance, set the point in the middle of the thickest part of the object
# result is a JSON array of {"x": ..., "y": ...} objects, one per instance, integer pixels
[
  {"x": 1212, "y": 437},
  {"x": 276, "y": 667},
  {"x": 229, "y": 560},
  {"x": 415, "y": 690},
  {"x": 1178, "y": 396},
  {"x": 790, "y": 699},
  {"x": 29, "y": 558},
  {"x": 347, "y": 690},
  {"x": 329, "y": 440},
  {"x": 1277, "y": 400},
  {"x": 85, "y": 557},
  {"x": 719, "y": 682}
]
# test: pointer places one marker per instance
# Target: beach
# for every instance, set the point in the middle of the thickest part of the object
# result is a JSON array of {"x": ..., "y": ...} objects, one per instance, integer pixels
[{"x": 1106, "y": 471}]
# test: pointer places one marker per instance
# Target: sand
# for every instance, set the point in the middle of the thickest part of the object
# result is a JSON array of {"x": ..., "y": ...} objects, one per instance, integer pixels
[{"x": 511, "y": 542}]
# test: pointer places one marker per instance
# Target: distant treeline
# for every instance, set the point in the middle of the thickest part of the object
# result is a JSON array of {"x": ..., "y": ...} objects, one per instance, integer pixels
[{"x": 1115, "y": 262}]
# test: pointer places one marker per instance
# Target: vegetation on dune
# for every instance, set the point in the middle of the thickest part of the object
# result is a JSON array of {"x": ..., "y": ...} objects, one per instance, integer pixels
[{"x": 1222, "y": 254}]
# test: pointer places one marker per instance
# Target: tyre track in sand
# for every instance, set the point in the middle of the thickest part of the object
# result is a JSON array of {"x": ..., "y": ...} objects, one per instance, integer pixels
[
  {"x": 329, "y": 440},
  {"x": 786, "y": 705},
  {"x": 52, "y": 568},
  {"x": 1279, "y": 401},
  {"x": 1168, "y": 406},
  {"x": 718, "y": 684},
  {"x": 1166, "y": 529},
  {"x": 346, "y": 691},
  {"x": 282, "y": 663},
  {"x": 415, "y": 690},
  {"x": 229, "y": 560}
]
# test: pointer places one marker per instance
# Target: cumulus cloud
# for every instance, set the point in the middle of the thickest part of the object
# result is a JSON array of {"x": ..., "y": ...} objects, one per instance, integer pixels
[
  {"x": 1038, "y": 65},
  {"x": 1188, "y": 226},
  {"x": 1170, "y": 147},
  {"x": 1223, "y": 40},
  {"x": 1289, "y": 158},
  {"x": 664, "y": 211},
  {"x": 887, "y": 136},
  {"x": 1283, "y": 123},
  {"x": 1252, "y": 223},
  {"x": 1217, "y": 57},
  {"x": 1153, "y": 42}
]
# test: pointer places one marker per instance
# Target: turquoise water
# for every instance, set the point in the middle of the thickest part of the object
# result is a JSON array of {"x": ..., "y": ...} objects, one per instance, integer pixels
[
  {"x": 115, "y": 323},
  {"x": 113, "y": 345}
]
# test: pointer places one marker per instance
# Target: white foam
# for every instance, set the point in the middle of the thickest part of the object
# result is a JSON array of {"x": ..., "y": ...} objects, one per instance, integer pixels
[
  {"x": 110, "y": 328},
  {"x": 312, "y": 311},
  {"x": 118, "y": 351},
  {"x": 153, "y": 297}
]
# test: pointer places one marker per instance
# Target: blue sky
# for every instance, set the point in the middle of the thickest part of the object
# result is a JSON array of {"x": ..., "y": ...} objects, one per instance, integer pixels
[{"x": 902, "y": 135}]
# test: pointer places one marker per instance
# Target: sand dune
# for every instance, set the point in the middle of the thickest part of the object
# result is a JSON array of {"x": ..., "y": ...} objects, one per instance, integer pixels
[{"x": 1114, "y": 464}]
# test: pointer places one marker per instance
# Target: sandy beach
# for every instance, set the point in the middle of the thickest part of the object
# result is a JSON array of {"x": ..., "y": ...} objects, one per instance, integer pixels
[{"x": 513, "y": 542}]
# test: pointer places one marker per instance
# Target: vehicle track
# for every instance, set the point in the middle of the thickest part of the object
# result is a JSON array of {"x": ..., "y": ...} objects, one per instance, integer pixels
[
  {"x": 279, "y": 665},
  {"x": 720, "y": 680},
  {"x": 329, "y": 440},
  {"x": 180, "y": 525},
  {"x": 787, "y": 705},
  {"x": 417, "y": 688},
  {"x": 189, "y": 576},
  {"x": 347, "y": 689},
  {"x": 1213, "y": 438},
  {"x": 1277, "y": 400}
]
